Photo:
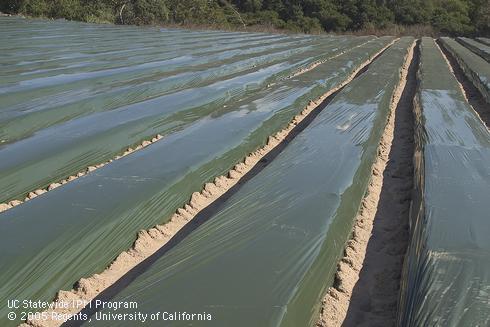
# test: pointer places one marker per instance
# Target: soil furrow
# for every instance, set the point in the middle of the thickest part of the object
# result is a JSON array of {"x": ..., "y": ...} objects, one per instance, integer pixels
[{"x": 366, "y": 286}]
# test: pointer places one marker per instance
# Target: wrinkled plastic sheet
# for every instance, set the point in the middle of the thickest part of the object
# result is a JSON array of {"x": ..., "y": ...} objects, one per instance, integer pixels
[
  {"x": 483, "y": 40},
  {"x": 266, "y": 257},
  {"x": 446, "y": 278},
  {"x": 74, "y": 120},
  {"x": 65, "y": 149},
  {"x": 479, "y": 48},
  {"x": 77, "y": 229},
  {"x": 29, "y": 114},
  {"x": 62, "y": 84},
  {"x": 474, "y": 67},
  {"x": 72, "y": 93}
]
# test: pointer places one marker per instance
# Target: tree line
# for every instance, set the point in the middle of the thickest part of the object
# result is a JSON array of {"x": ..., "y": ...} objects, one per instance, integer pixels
[{"x": 451, "y": 17}]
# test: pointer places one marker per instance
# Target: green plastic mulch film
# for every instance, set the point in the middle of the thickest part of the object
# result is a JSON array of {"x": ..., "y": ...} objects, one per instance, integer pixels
[
  {"x": 61, "y": 84},
  {"x": 483, "y": 40},
  {"x": 479, "y": 48},
  {"x": 76, "y": 230},
  {"x": 446, "y": 277},
  {"x": 32, "y": 113},
  {"x": 475, "y": 68},
  {"x": 266, "y": 257},
  {"x": 113, "y": 120}
]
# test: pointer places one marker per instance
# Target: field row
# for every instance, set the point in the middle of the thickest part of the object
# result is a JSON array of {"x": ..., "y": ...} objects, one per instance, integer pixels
[
  {"x": 256, "y": 237},
  {"x": 101, "y": 139},
  {"x": 448, "y": 261},
  {"x": 206, "y": 131}
]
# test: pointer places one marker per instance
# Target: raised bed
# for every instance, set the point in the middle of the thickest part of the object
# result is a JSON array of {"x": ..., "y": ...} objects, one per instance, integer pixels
[
  {"x": 90, "y": 220},
  {"x": 475, "y": 68},
  {"x": 269, "y": 253},
  {"x": 479, "y": 48},
  {"x": 446, "y": 276}
]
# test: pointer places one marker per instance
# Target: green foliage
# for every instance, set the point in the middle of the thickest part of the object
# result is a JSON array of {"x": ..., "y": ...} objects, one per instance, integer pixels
[
  {"x": 412, "y": 12},
  {"x": 69, "y": 9},
  {"x": 455, "y": 17},
  {"x": 249, "y": 5},
  {"x": 11, "y": 6},
  {"x": 196, "y": 12},
  {"x": 480, "y": 16},
  {"x": 35, "y": 8},
  {"x": 452, "y": 17},
  {"x": 327, "y": 14},
  {"x": 268, "y": 18},
  {"x": 363, "y": 13},
  {"x": 143, "y": 12}
]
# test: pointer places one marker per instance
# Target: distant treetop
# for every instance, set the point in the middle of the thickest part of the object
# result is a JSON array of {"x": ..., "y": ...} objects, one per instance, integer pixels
[{"x": 451, "y": 17}]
